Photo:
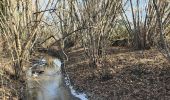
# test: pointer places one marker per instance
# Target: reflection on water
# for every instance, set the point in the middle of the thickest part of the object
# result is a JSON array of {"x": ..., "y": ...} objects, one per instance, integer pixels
[{"x": 50, "y": 85}]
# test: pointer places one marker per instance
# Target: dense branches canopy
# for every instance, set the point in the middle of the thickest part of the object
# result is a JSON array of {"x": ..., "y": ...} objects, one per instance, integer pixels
[{"x": 91, "y": 24}]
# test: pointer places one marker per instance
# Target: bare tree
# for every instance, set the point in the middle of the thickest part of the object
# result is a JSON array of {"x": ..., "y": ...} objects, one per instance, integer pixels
[
  {"x": 142, "y": 31},
  {"x": 161, "y": 27},
  {"x": 19, "y": 31},
  {"x": 89, "y": 20}
]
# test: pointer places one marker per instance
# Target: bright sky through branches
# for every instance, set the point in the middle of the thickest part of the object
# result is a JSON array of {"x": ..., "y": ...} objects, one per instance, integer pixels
[{"x": 142, "y": 6}]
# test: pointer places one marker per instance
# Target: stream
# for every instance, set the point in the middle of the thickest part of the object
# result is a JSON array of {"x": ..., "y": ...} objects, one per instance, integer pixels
[{"x": 48, "y": 83}]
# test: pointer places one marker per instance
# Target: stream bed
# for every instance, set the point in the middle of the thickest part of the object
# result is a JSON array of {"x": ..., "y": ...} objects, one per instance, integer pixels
[{"x": 48, "y": 83}]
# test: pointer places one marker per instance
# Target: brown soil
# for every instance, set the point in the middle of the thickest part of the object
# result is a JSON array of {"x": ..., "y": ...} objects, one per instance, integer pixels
[
  {"x": 10, "y": 89},
  {"x": 124, "y": 75}
]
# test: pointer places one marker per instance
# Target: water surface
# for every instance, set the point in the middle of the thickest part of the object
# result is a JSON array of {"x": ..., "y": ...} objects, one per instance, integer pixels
[{"x": 50, "y": 85}]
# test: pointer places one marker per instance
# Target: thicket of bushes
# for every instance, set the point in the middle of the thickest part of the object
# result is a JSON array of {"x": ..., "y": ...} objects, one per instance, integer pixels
[{"x": 91, "y": 24}]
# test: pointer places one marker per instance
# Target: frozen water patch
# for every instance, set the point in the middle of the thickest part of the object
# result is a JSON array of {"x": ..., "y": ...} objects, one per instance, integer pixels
[
  {"x": 81, "y": 96},
  {"x": 57, "y": 62},
  {"x": 40, "y": 62}
]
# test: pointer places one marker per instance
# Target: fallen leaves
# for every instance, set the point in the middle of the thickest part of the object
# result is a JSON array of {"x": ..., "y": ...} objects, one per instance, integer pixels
[{"x": 123, "y": 76}]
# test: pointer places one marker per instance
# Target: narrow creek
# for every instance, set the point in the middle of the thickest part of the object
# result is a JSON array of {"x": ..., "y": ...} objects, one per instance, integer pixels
[{"x": 48, "y": 83}]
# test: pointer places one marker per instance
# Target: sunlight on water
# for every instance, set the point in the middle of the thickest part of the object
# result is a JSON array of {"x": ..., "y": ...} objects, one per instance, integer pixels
[{"x": 50, "y": 85}]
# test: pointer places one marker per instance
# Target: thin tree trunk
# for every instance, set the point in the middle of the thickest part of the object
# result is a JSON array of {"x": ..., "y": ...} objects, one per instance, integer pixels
[{"x": 161, "y": 30}]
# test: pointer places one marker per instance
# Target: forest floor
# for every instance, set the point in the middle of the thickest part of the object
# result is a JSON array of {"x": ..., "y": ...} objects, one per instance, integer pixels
[
  {"x": 10, "y": 89},
  {"x": 123, "y": 75}
]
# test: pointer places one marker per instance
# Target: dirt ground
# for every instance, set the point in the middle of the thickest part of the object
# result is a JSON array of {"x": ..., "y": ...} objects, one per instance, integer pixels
[
  {"x": 10, "y": 89},
  {"x": 124, "y": 75}
]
